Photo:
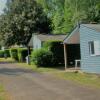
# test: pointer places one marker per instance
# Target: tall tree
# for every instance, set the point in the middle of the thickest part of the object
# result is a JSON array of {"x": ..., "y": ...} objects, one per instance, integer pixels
[
  {"x": 24, "y": 17},
  {"x": 64, "y": 15},
  {"x": 55, "y": 11}
]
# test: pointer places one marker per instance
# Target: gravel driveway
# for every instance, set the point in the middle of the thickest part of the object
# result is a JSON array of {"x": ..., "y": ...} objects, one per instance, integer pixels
[{"x": 24, "y": 84}]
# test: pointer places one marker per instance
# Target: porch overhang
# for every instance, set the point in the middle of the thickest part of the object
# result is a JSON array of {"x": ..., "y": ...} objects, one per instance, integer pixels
[{"x": 73, "y": 38}]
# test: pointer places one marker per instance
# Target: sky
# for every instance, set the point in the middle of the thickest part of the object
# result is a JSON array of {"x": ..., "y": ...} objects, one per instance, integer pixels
[{"x": 2, "y": 5}]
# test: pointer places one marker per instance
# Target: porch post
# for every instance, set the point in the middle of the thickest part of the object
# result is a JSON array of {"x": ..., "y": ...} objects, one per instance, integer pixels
[
  {"x": 65, "y": 56},
  {"x": 28, "y": 48}
]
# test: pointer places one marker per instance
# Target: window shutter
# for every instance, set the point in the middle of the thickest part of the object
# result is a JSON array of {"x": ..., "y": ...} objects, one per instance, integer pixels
[{"x": 97, "y": 47}]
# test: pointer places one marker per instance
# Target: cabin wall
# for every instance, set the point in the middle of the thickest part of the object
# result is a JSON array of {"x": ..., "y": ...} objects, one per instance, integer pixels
[
  {"x": 89, "y": 63},
  {"x": 36, "y": 42}
]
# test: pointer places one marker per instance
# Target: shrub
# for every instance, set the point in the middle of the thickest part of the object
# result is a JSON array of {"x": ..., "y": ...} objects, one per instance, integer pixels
[
  {"x": 14, "y": 53},
  {"x": 22, "y": 53},
  {"x": 1, "y": 53},
  {"x": 42, "y": 57},
  {"x": 7, "y": 52},
  {"x": 19, "y": 54},
  {"x": 56, "y": 47}
]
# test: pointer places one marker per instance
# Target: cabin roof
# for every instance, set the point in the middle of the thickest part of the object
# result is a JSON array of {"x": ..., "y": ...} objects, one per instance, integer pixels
[
  {"x": 47, "y": 37},
  {"x": 95, "y": 27},
  {"x": 74, "y": 36}
]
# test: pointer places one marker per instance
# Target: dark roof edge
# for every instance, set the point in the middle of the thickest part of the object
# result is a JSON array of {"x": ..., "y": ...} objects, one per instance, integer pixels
[{"x": 48, "y": 34}]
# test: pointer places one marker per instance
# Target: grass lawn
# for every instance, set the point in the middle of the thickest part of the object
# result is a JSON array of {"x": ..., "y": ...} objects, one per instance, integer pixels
[
  {"x": 3, "y": 95},
  {"x": 91, "y": 80},
  {"x": 81, "y": 78},
  {"x": 6, "y": 60},
  {"x": 37, "y": 69}
]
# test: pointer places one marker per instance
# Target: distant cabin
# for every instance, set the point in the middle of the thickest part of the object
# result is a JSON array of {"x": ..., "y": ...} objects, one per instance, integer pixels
[
  {"x": 37, "y": 40},
  {"x": 83, "y": 44}
]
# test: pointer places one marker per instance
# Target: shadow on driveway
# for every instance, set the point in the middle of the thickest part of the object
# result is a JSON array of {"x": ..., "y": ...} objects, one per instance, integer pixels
[{"x": 11, "y": 69}]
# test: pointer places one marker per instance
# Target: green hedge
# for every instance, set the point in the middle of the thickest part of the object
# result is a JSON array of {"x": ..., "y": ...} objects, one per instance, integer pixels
[
  {"x": 5, "y": 53},
  {"x": 42, "y": 57},
  {"x": 14, "y": 53},
  {"x": 19, "y": 54},
  {"x": 51, "y": 54},
  {"x": 1, "y": 53},
  {"x": 56, "y": 47},
  {"x": 22, "y": 53}
]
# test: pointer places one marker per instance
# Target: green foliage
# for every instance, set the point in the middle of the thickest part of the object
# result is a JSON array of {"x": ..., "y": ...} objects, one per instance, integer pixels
[
  {"x": 19, "y": 54},
  {"x": 42, "y": 57},
  {"x": 7, "y": 52},
  {"x": 57, "y": 22},
  {"x": 4, "y": 53},
  {"x": 65, "y": 14},
  {"x": 1, "y": 53},
  {"x": 21, "y": 19},
  {"x": 51, "y": 54},
  {"x": 22, "y": 53},
  {"x": 56, "y": 47},
  {"x": 14, "y": 53},
  {"x": 47, "y": 45}
]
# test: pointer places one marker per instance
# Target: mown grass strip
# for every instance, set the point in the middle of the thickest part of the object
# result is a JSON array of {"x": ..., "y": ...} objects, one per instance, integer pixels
[
  {"x": 9, "y": 60},
  {"x": 3, "y": 94},
  {"x": 91, "y": 80}
]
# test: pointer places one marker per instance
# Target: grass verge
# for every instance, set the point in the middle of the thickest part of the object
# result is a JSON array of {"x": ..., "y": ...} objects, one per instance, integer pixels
[
  {"x": 9, "y": 60},
  {"x": 38, "y": 69},
  {"x": 3, "y": 94},
  {"x": 91, "y": 80}
]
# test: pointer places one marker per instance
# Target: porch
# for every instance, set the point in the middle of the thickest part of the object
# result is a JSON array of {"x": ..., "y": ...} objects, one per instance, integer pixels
[{"x": 72, "y": 55}]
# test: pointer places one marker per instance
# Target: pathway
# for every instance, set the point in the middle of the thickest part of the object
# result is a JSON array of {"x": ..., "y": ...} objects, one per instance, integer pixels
[{"x": 24, "y": 84}]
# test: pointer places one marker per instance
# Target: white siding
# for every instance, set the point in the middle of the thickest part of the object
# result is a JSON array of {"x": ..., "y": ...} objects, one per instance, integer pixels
[
  {"x": 97, "y": 47},
  {"x": 36, "y": 42}
]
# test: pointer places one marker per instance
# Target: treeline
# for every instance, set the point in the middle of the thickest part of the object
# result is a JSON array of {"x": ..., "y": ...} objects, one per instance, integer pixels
[
  {"x": 22, "y": 18},
  {"x": 67, "y": 13}
]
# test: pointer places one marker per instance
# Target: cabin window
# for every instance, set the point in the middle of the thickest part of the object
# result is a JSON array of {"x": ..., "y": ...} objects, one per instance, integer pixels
[
  {"x": 94, "y": 48},
  {"x": 91, "y": 48}
]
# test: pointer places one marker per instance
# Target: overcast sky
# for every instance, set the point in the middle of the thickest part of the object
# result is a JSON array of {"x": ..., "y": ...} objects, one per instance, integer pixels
[{"x": 2, "y": 5}]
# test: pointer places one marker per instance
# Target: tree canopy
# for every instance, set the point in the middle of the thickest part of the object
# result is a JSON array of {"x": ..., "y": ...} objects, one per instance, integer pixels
[
  {"x": 21, "y": 19},
  {"x": 24, "y": 17},
  {"x": 65, "y": 14}
]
